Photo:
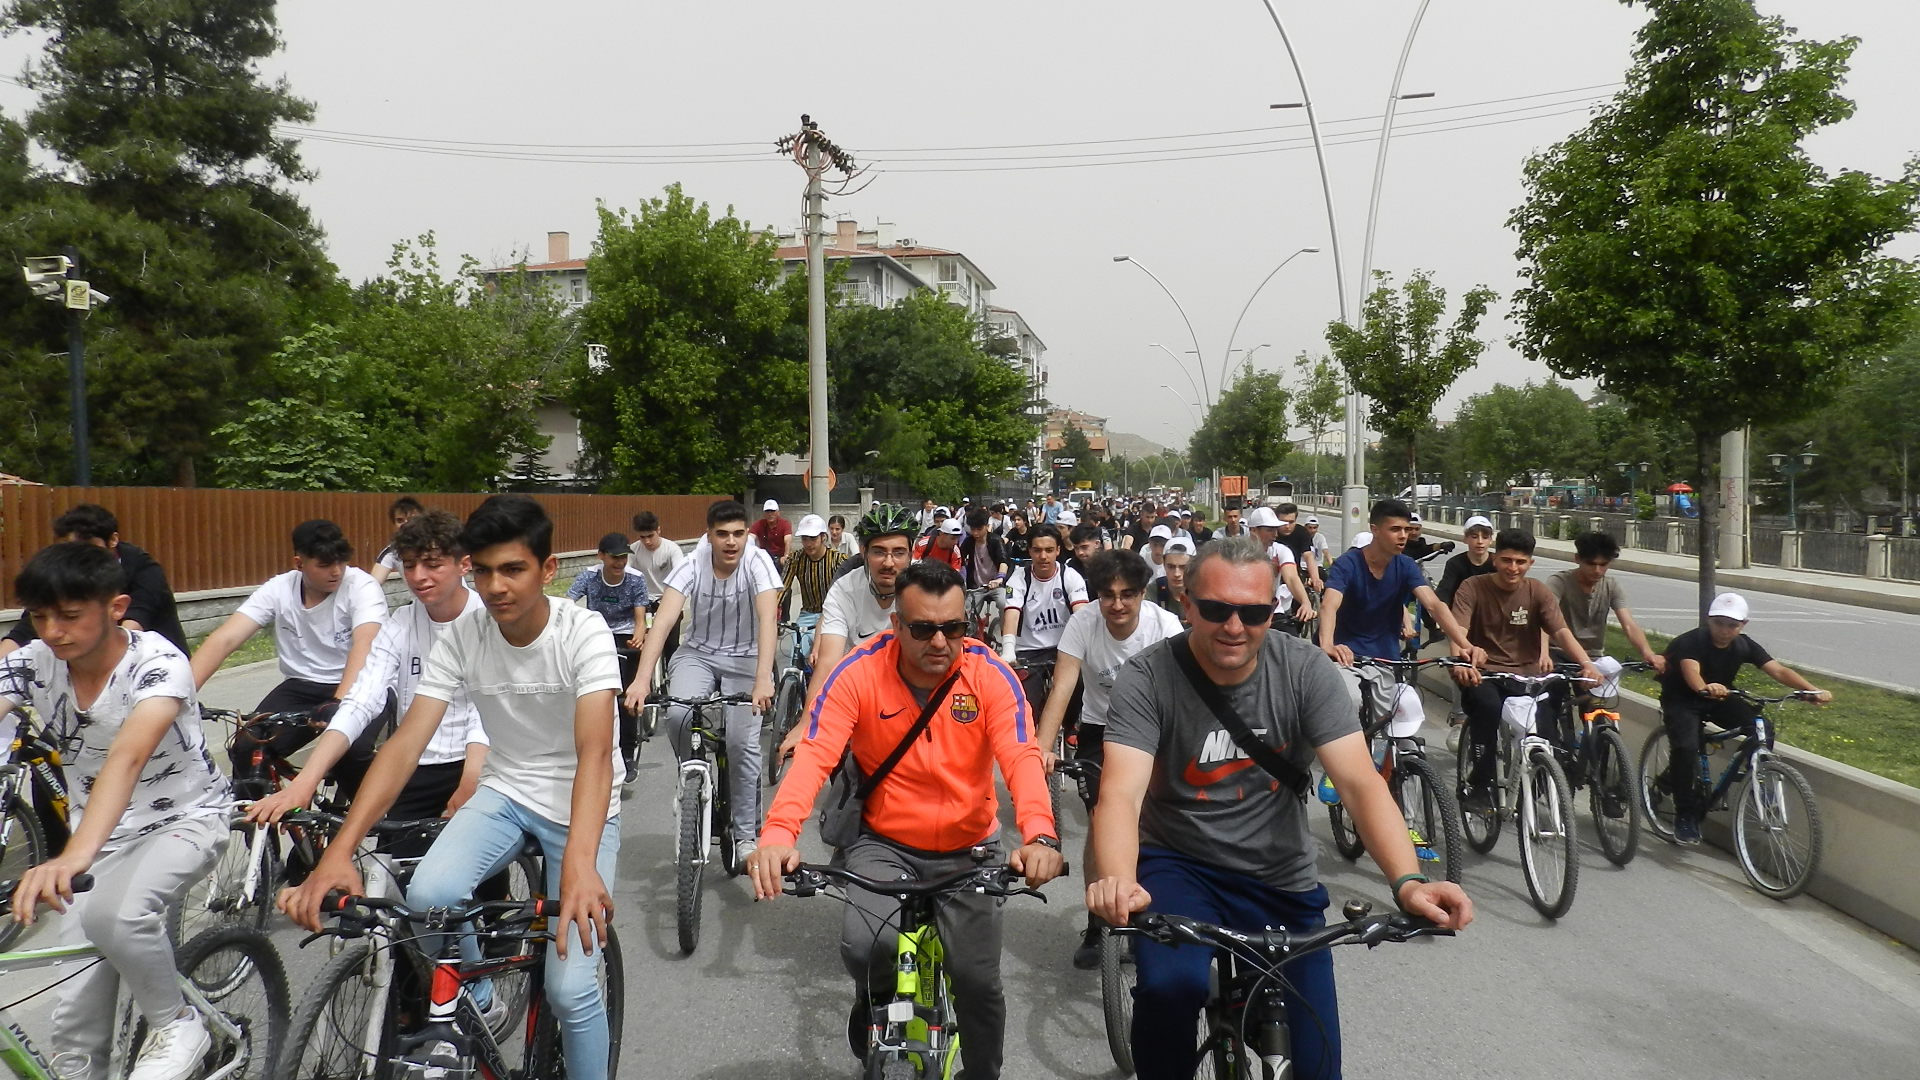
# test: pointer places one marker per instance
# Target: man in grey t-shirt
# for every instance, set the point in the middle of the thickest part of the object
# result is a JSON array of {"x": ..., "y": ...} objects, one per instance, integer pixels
[
  {"x": 1188, "y": 824},
  {"x": 1588, "y": 594}
]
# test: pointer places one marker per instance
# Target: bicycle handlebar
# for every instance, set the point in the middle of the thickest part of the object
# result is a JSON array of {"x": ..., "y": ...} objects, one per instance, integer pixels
[
  {"x": 1752, "y": 698},
  {"x": 1368, "y": 930},
  {"x": 809, "y": 878},
  {"x": 379, "y": 828},
  {"x": 79, "y": 883},
  {"x": 711, "y": 699},
  {"x": 1532, "y": 681},
  {"x": 366, "y": 910}
]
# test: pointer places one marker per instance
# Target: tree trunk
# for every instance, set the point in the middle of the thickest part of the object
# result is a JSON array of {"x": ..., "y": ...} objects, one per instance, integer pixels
[{"x": 1703, "y": 458}]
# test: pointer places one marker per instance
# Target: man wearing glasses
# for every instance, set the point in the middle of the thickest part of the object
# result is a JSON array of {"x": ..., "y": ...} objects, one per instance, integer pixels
[
  {"x": 1191, "y": 824},
  {"x": 938, "y": 804}
]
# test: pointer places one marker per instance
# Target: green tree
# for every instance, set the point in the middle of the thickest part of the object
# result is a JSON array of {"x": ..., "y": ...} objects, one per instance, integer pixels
[
  {"x": 706, "y": 374},
  {"x": 922, "y": 383},
  {"x": 1684, "y": 250},
  {"x": 1318, "y": 406},
  {"x": 1246, "y": 431},
  {"x": 1514, "y": 433},
  {"x": 1087, "y": 465},
  {"x": 153, "y": 150},
  {"x": 1399, "y": 357},
  {"x": 315, "y": 437}
]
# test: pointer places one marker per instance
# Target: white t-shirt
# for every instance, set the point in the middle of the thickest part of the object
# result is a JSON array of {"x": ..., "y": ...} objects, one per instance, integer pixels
[
  {"x": 655, "y": 565},
  {"x": 1044, "y": 605},
  {"x": 388, "y": 558},
  {"x": 850, "y": 610},
  {"x": 1281, "y": 554},
  {"x": 525, "y": 698},
  {"x": 846, "y": 545},
  {"x": 179, "y": 779},
  {"x": 396, "y": 661},
  {"x": 1322, "y": 551},
  {"x": 720, "y": 610},
  {"x": 314, "y": 641},
  {"x": 1088, "y": 640}
]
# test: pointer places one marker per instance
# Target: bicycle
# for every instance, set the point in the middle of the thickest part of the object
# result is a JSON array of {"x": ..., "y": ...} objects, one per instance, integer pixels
[
  {"x": 1531, "y": 788},
  {"x": 983, "y": 622},
  {"x": 455, "y": 1037},
  {"x": 1063, "y": 740},
  {"x": 1117, "y": 975},
  {"x": 789, "y": 699},
  {"x": 1247, "y": 1036},
  {"x": 1400, "y": 755},
  {"x": 703, "y": 808},
  {"x": 247, "y": 1019},
  {"x": 33, "y": 808},
  {"x": 1776, "y": 826},
  {"x": 916, "y": 1033},
  {"x": 1599, "y": 763}
]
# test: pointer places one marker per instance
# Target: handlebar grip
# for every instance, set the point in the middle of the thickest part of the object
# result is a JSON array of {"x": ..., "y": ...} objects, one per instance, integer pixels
[
  {"x": 336, "y": 900},
  {"x": 81, "y": 883}
]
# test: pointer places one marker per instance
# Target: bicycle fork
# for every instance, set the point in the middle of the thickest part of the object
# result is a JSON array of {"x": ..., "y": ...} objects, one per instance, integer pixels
[
  {"x": 916, "y": 1009},
  {"x": 689, "y": 769}
]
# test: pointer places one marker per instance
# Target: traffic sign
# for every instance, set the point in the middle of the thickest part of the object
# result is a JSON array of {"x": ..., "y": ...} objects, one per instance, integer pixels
[
  {"x": 833, "y": 479},
  {"x": 79, "y": 295}
]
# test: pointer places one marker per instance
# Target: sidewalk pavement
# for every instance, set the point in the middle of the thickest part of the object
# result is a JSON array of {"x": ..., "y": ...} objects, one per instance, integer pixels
[{"x": 1900, "y": 596}]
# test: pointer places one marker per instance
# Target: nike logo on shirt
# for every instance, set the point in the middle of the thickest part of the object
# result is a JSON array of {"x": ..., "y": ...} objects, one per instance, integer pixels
[
  {"x": 1195, "y": 776},
  {"x": 885, "y": 715}
]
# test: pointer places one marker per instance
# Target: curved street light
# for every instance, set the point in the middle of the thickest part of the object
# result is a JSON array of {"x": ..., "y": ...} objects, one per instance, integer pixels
[
  {"x": 1179, "y": 363},
  {"x": 1204, "y": 396},
  {"x": 1228, "y": 356},
  {"x": 1191, "y": 406}
]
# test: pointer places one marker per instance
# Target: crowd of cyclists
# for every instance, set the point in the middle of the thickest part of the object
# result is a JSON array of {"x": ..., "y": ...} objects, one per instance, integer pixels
[{"x": 1205, "y": 674}]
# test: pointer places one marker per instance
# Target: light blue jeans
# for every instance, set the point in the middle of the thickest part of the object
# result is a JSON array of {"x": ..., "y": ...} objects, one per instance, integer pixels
[{"x": 482, "y": 839}]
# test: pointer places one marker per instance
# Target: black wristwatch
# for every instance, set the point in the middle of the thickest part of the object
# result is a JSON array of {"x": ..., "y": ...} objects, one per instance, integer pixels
[{"x": 1046, "y": 841}]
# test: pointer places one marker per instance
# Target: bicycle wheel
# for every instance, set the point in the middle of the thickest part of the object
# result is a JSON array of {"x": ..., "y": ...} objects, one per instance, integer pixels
[
  {"x": 1431, "y": 812},
  {"x": 1117, "y": 978},
  {"x": 330, "y": 1038},
  {"x": 238, "y": 971},
  {"x": 1655, "y": 787},
  {"x": 789, "y": 699},
  {"x": 1610, "y": 794},
  {"x": 1776, "y": 830},
  {"x": 22, "y": 847},
  {"x": 891, "y": 1066},
  {"x": 547, "y": 1058},
  {"x": 691, "y": 857},
  {"x": 1545, "y": 827},
  {"x": 1480, "y": 827},
  {"x": 222, "y": 897},
  {"x": 1346, "y": 835}
]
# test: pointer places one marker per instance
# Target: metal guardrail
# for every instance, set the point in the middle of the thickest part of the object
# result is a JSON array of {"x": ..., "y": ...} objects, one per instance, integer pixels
[
  {"x": 1764, "y": 545},
  {"x": 1903, "y": 558},
  {"x": 1839, "y": 553}
]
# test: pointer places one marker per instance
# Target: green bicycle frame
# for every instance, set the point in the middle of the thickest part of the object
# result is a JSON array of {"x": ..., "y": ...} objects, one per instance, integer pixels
[
  {"x": 918, "y": 955},
  {"x": 17, "y": 1052}
]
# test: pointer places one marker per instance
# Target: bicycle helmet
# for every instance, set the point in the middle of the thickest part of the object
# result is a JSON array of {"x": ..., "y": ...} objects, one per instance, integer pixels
[{"x": 886, "y": 519}]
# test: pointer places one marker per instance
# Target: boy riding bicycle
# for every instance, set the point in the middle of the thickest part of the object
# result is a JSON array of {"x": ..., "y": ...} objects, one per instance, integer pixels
[{"x": 150, "y": 807}]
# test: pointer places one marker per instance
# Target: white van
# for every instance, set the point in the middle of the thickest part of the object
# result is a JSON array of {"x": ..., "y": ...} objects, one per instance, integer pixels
[{"x": 1420, "y": 491}]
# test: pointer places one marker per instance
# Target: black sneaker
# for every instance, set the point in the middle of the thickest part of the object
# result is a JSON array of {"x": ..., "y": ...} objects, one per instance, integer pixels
[
  {"x": 1087, "y": 956},
  {"x": 1686, "y": 831},
  {"x": 633, "y": 768},
  {"x": 858, "y": 1018}
]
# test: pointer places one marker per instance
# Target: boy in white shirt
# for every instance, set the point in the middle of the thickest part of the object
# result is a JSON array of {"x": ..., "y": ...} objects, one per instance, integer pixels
[
  {"x": 431, "y": 562},
  {"x": 1041, "y": 596},
  {"x": 150, "y": 807},
  {"x": 542, "y": 674},
  {"x": 325, "y": 614}
]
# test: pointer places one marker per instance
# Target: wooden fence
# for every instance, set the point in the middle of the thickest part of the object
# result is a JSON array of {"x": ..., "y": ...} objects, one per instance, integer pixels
[{"x": 215, "y": 539}]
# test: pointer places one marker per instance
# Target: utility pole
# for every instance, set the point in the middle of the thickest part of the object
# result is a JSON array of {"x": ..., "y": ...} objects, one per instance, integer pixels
[
  {"x": 56, "y": 278},
  {"x": 816, "y": 154}
]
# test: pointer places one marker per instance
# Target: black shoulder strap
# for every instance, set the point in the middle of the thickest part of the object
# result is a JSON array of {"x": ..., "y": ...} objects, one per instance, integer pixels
[
  {"x": 1263, "y": 755},
  {"x": 932, "y": 706}
]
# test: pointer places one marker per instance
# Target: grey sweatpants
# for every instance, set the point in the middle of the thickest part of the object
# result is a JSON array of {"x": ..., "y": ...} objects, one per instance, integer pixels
[
  {"x": 125, "y": 917},
  {"x": 969, "y": 931},
  {"x": 696, "y": 674}
]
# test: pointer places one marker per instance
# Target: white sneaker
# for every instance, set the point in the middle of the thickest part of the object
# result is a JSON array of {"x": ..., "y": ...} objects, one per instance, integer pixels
[{"x": 173, "y": 1051}]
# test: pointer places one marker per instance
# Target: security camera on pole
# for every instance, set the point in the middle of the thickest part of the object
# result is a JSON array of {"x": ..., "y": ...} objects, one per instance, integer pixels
[{"x": 57, "y": 278}]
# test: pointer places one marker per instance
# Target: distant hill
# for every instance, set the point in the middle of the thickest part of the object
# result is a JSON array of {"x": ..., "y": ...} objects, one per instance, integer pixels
[{"x": 1136, "y": 447}]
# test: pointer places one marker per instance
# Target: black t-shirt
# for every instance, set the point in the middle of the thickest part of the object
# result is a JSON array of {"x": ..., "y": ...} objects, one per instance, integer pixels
[
  {"x": 1139, "y": 535},
  {"x": 1459, "y": 569},
  {"x": 1015, "y": 544},
  {"x": 1300, "y": 544},
  {"x": 1716, "y": 665}
]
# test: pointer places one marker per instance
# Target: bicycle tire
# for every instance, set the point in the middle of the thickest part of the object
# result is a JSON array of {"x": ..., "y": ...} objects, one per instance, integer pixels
[
  {"x": 1548, "y": 860},
  {"x": 324, "y": 1041},
  {"x": 1346, "y": 835},
  {"x": 691, "y": 864},
  {"x": 891, "y": 1066},
  {"x": 546, "y": 1058},
  {"x": 23, "y": 848},
  {"x": 1655, "y": 787},
  {"x": 1117, "y": 980},
  {"x": 789, "y": 699},
  {"x": 259, "y": 962},
  {"x": 1436, "y": 814},
  {"x": 1775, "y": 867},
  {"x": 1481, "y": 828},
  {"x": 1611, "y": 797}
]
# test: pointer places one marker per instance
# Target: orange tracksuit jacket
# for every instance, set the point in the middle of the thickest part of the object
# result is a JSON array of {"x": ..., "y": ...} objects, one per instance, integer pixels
[{"x": 941, "y": 795}]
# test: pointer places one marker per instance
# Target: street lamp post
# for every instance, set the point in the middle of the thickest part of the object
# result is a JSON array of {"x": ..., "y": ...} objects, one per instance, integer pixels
[
  {"x": 1179, "y": 363},
  {"x": 1235, "y": 332},
  {"x": 1192, "y": 407},
  {"x": 1791, "y": 467},
  {"x": 1205, "y": 394},
  {"x": 1634, "y": 473}
]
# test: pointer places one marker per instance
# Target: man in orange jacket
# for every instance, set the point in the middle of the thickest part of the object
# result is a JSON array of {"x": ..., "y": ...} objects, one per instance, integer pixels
[{"x": 938, "y": 803}]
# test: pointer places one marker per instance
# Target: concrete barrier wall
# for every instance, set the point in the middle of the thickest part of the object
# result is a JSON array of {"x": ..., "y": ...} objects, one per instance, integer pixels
[{"x": 1870, "y": 859}]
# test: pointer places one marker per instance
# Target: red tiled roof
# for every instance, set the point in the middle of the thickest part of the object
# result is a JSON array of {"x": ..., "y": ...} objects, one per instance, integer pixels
[
  {"x": 799, "y": 251},
  {"x": 900, "y": 252},
  {"x": 540, "y": 268}
]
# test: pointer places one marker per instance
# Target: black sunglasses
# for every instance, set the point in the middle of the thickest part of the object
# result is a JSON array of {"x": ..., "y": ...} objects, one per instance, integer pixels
[
  {"x": 1218, "y": 611},
  {"x": 924, "y": 631}
]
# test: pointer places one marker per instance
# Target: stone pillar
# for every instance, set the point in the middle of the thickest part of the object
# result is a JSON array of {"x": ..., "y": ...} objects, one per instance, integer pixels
[
  {"x": 866, "y": 499},
  {"x": 1733, "y": 508},
  {"x": 1673, "y": 538},
  {"x": 1879, "y": 557},
  {"x": 1790, "y": 551}
]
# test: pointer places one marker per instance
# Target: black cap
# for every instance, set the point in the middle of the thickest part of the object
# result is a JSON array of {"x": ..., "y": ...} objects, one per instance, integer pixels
[{"x": 615, "y": 544}]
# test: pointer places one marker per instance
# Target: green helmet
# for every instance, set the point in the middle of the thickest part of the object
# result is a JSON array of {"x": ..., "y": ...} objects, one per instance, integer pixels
[{"x": 886, "y": 519}]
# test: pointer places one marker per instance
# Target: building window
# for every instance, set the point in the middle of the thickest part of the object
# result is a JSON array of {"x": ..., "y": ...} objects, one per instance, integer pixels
[{"x": 579, "y": 291}]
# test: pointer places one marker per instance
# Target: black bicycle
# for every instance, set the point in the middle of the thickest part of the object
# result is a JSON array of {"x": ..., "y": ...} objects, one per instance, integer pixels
[
  {"x": 1431, "y": 811},
  {"x": 1247, "y": 1035},
  {"x": 789, "y": 699},
  {"x": 702, "y": 808},
  {"x": 1598, "y": 761},
  {"x": 1776, "y": 824}
]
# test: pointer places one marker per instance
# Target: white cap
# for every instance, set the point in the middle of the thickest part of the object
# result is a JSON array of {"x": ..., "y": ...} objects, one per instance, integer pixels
[
  {"x": 1731, "y": 605},
  {"x": 1067, "y": 518},
  {"x": 1414, "y": 517},
  {"x": 1311, "y": 520},
  {"x": 1480, "y": 521},
  {"x": 942, "y": 510},
  {"x": 771, "y": 505},
  {"x": 811, "y": 525},
  {"x": 1186, "y": 513},
  {"x": 1179, "y": 544},
  {"x": 1263, "y": 517},
  {"x": 952, "y": 527},
  {"x": 1362, "y": 539},
  {"x": 1160, "y": 532}
]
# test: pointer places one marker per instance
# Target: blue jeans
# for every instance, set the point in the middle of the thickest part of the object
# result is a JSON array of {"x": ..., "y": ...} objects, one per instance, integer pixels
[
  {"x": 484, "y": 836},
  {"x": 1172, "y": 985}
]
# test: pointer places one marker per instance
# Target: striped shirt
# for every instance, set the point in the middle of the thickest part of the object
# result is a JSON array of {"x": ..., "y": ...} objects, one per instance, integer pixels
[
  {"x": 720, "y": 610},
  {"x": 814, "y": 576},
  {"x": 398, "y": 656}
]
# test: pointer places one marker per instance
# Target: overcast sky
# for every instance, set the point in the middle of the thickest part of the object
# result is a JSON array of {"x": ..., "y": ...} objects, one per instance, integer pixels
[{"x": 896, "y": 82}]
